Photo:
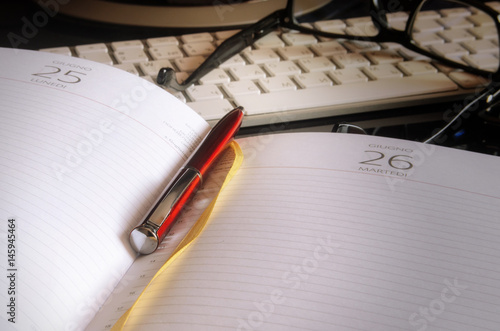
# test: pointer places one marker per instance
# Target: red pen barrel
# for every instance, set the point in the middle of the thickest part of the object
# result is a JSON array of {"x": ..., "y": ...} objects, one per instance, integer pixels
[
  {"x": 216, "y": 141},
  {"x": 202, "y": 159}
]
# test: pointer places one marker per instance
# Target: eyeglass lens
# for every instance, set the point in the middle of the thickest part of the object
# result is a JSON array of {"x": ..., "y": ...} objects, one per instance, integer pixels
[
  {"x": 449, "y": 29},
  {"x": 455, "y": 31}
]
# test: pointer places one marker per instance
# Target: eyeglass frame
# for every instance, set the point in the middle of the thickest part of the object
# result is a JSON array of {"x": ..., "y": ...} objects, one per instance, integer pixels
[{"x": 285, "y": 18}]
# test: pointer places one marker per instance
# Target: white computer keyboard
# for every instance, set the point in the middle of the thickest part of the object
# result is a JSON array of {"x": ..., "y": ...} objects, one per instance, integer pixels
[{"x": 288, "y": 76}]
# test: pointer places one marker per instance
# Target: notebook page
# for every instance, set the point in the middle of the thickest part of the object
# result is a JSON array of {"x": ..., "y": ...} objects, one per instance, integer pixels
[
  {"x": 145, "y": 267},
  {"x": 85, "y": 151},
  {"x": 341, "y": 232}
]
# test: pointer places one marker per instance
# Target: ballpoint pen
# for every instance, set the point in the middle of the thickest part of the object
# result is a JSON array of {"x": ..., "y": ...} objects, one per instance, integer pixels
[{"x": 146, "y": 237}]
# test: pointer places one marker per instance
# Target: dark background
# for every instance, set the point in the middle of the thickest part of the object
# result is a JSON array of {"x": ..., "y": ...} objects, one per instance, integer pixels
[{"x": 64, "y": 31}]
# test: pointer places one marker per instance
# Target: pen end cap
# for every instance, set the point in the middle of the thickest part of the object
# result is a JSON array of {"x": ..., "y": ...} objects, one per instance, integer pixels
[{"x": 143, "y": 240}]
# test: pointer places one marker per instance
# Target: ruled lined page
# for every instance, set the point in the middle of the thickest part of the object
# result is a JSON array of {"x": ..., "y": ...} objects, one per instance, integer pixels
[
  {"x": 341, "y": 232},
  {"x": 86, "y": 149},
  {"x": 145, "y": 267}
]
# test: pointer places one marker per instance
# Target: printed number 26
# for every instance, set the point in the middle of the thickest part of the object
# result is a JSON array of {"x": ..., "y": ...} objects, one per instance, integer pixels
[{"x": 395, "y": 161}]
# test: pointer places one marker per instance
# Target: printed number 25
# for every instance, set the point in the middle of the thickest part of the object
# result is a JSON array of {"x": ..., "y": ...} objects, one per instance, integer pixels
[{"x": 70, "y": 77}]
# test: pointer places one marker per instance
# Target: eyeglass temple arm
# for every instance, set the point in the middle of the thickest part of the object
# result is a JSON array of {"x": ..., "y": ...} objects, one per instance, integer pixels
[{"x": 229, "y": 48}]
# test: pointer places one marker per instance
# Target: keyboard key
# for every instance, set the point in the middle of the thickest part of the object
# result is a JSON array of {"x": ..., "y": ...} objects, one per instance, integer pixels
[
  {"x": 328, "y": 48},
  {"x": 189, "y": 64},
  {"x": 427, "y": 25},
  {"x": 391, "y": 46},
  {"x": 451, "y": 22},
  {"x": 243, "y": 87},
  {"x": 58, "y": 50},
  {"x": 260, "y": 56},
  {"x": 398, "y": 25},
  {"x": 455, "y": 35},
  {"x": 467, "y": 80},
  {"x": 312, "y": 79},
  {"x": 287, "y": 68},
  {"x": 484, "y": 32},
  {"x": 397, "y": 17},
  {"x": 130, "y": 55},
  {"x": 358, "y": 21},
  {"x": 204, "y": 92},
  {"x": 428, "y": 15},
  {"x": 480, "y": 46},
  {"x": 120, "y": 45},
  {"x": 278, "y": 83},
  {"x": 295, "y": 52},
  {"x": 196, "y": 49},
  {"x": 295, "y": 39},
  {"x": 269, "y": 41},
  {"x": 445, "y": 69},
  {"x": 162, "y": 41},
  {"x": 428, "y": 38},
  {"x": 482, "y": 61},
  {"x": 411, "y": 68},
  {"x": 334, "y": 26},
  {"x": 251, "y": 71},
  {"x": 481, "y": 20},
  {"x": 362, "y": 25},
  {"x": 382, "y": 71},
  {"x": 411, "y": 55},
  {"x": 385, "y": 56},
  {"x": 494, "y": 4},
  {"x": 455, "y": 12},
  {"x": 166, "y": 52},
  {"x": 449, "y": 50},
  {"x": 181, "y": 76},
  {"x": 236, "y": 60},
  {"x": 350, "y": 60},
  {"x": 361, "y": 46},
  {"x": 316, "y": 64},
  {"x": 347, "y": 76},
  {"x": 91, "y": 48},
  {"x": 216, "y": 76},
  {"x": 363, "y": 29},
  {"x": 196, "y": 37},
  {"x": 151, "y": 68},
  {"x": 211, "y": 109}
]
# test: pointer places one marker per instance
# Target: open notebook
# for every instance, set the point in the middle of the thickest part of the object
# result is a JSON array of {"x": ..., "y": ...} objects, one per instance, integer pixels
[{"x": 314, "y": 232}]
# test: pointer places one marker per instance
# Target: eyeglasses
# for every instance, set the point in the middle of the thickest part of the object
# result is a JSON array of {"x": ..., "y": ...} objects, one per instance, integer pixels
[{"x": 407, "y": 23}]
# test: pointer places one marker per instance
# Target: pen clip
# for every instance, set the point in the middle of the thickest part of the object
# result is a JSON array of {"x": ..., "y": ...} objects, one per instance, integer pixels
[
  {"x": 171, "y": 198},
  {"x": 146, "y": 237}
]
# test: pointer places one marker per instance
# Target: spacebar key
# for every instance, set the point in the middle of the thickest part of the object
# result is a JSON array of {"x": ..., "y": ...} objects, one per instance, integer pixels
[{"x": 344, "y": 94}]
